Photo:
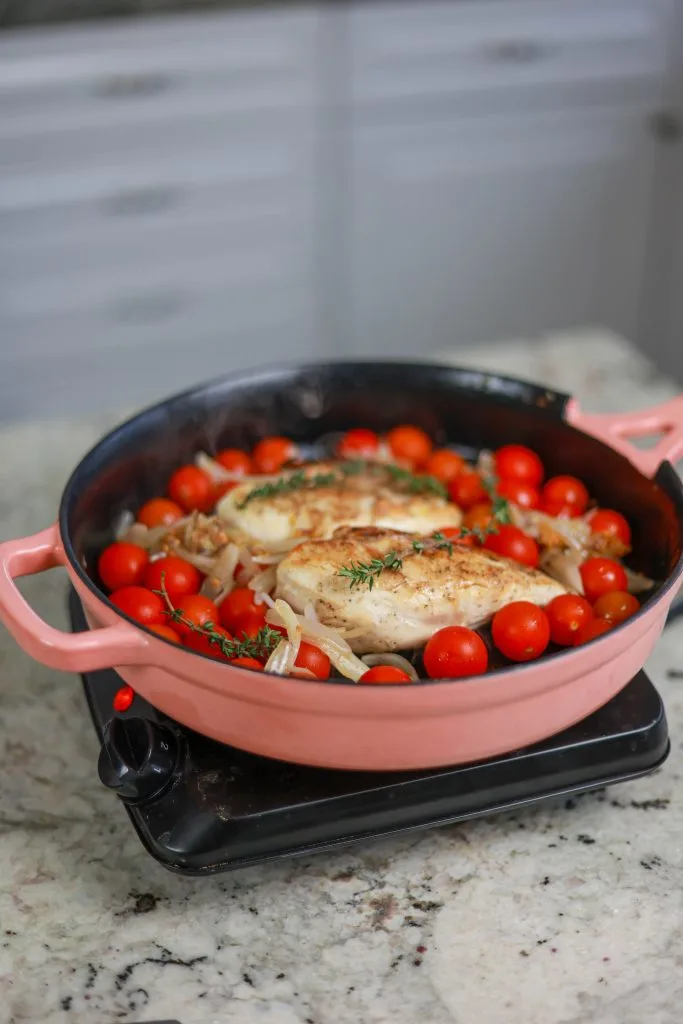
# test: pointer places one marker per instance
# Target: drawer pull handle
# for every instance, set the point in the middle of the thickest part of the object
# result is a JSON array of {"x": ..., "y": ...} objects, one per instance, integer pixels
[
  {"x": 143, "y": 200},
  {"x": 518, "y": 51},
  {"x": 132, "y": 86}
]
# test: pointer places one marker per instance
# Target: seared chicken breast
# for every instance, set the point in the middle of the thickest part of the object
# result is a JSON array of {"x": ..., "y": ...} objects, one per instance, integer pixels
[
  {"x": 366, "y": 498},
  {"x": 405, "y": 607}
]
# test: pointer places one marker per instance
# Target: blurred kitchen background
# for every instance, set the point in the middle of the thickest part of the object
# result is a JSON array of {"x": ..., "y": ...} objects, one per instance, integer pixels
[{"x": 184, "y": 191}]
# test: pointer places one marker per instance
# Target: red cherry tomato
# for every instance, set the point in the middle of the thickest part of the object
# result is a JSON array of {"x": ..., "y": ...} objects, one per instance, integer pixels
[
  {"x": 513, "y": 543},
  {"x": 607, "y": 521},
  {"x": 385, "y": 674},
  {"x": 521, "y": 631},
  {"x": 122, "y": 565},
  {"x": 516, "y": 462},
  {"x": 234, "y": 460},
  {"x": 565, "y": 491},
  {"x": 358, "y": 444},
  {"x": 567, "y": 615},
  {"x": 240, "y": 614},
  {"x": 616, "y": 606},
  {"x": 456, "y": 534},
  {"x": 166, "y": 633},
  {"x": 467, "y": 489},
  {"x": 192, "y": 489},
  {"x": 139, "y": 604},
  {"x": 410, "y": 444},
  {"x": 313, "y": 659},
  {"x": 201, "y": 643},
  {"x": 195, "y": 611},
  {"x": 270, "y": 454},
  {"x": 222, "y": 487},
  {"x": 591, "y": 631},
  {"x": 445, "y": 465},
  {"x": 173, "y": 574},
  {"x": 251, "y": 663},
  {"x": 453, "y": 652},
  {"x": 558, "y": 509},
  {"x": 518, "y": 492},
  {"x": 478, "y": 517},
  {"x": 159, "y": 512},
  {"x": 600, "y": 576}
]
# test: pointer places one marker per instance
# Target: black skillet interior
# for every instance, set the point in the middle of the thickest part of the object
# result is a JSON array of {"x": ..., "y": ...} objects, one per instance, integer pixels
[{"x": 466, "y": 409}]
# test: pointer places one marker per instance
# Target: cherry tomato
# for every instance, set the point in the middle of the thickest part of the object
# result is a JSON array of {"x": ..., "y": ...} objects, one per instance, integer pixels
[
  {"x": 478, "y": 517},
  {"x": 567, "y": 615},
  {"x": 456, "y": 534},
  {"x": 140, "y": 604},
  {"x": 270, "y": 454},
  {"x": 358, "y": 444},
  {"x": 314, "y": 660},
  {"x": 196, "y": 611},
  {"x": 606, "y": 520},
  {"x": 192, "y": 488},
  {"x": 251, "y": 663},
  {"x": 616, "y": 606},
  {"x": 159, "y": 512},
  {"x": 467, "y": 489},
  {"x": 591, "y": 631},
  {"x": 521, "y": 631},
  {"x": 445, "y": 465},
  {"x": 600, "y": 576},
  {"x": 410, "y": 444},
  {"x": 122, "y": 565},
  {"x": 234, "y": 460},
  {"x": 385, "y": 674},
  {"x": 453, "y": 652},
  {"x": 565, "y": 491},
  {"x": 518, "y": 492},
  {"x": 516, "y": 462},
  {"x": 174, "y": 574},
  {"x": 222, "y": 487},
  {"x": 166, "y": 633},
  {"x": 240, "y": 614},
  {"x": 558, "y": 509},
  {"x": 513, "y": 543},
  {"x": 201, "y": 643}
]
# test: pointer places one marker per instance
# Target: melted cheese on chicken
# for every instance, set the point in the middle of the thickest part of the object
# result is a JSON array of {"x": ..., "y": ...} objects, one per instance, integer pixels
[
  {"x": 405, "y": 607},
  {"x": 359, "y": 499}
]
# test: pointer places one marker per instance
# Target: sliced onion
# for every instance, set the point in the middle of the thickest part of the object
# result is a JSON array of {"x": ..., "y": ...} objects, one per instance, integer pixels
[
  {"x": 325, "y": 639},
  {"x": 221, "y": 582},
  {"x": 263, "y": 581},
  {"x": 218, "y": 473},
  {"x": 563, "y": 566},
  {"x": 278, "y": 662},
  {"x": 293, "y": 626},
  {"x": 144, "y": 537},
  {"x": 205, "y": 563},
  {"x": 397, "y": 660},
  {"x": 303, "y": 673},
  {"x": 637, "y": 582},
  {"x": 575, "y": 532},
  {"x": 485, "y": 463},
  {"x": 124, "y": 523},
  {"x": 269, "y": 559}
]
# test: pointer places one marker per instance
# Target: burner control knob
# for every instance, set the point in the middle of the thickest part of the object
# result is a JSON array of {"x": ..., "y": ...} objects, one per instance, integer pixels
[{"x": 138, "y": 758}]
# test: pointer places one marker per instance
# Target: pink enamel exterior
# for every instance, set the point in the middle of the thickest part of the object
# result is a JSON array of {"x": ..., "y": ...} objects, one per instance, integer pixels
[{"x": 346, "y": 726}]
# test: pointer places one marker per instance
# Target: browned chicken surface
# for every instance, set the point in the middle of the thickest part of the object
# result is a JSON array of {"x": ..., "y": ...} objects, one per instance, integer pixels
[
  {"x": 368, "y": 498},
  {"x": 406, "y": 606}
]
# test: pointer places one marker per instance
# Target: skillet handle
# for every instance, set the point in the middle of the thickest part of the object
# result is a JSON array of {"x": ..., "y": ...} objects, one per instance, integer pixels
[
  {"x": 617, "y": 429},
  {"x": 122, "y": 644}
]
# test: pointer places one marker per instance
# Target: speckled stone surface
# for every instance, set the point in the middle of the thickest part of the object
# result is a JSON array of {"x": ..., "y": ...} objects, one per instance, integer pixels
[{"x": 568, "y": 914}]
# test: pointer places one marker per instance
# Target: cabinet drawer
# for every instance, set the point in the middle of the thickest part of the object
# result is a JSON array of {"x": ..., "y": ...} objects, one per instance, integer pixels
[
  {"x": 252, "y": 174},
  {"x": 156, "y": 69},
  {"x": 401, "y": 52}
]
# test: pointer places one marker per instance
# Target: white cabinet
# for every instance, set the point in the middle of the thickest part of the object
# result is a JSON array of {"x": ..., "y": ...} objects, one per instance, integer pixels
[{"x": 469, "y": 230}]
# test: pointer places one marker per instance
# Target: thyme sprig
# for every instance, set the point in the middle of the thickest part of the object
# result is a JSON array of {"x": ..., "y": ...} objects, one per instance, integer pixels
[
  {"x": 259, "y": 646},
  {"x": 366, "y": 573},
  {"x": 414, "y": 483}
]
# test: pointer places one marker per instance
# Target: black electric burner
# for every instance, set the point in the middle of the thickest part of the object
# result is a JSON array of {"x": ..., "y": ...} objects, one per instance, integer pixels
[{"x": 201, "y": 807}]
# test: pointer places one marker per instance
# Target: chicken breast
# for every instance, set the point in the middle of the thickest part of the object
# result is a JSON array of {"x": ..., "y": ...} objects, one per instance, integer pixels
[
  {"x": 404, "y": 607},
  {"x": 367, "y": 498}
]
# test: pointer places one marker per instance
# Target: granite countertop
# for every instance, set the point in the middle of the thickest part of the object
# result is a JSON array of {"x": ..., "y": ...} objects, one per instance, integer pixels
[{"x": 568, "y": 914}]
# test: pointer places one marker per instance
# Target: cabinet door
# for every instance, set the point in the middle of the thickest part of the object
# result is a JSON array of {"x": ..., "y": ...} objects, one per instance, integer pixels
[{"x": 497, "y": 227}]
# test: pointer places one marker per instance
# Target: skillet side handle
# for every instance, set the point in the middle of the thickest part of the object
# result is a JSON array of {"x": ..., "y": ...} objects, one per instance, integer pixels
[
  {"x": 122, "y": 644},
  {"x": 617, "y": 429}
]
